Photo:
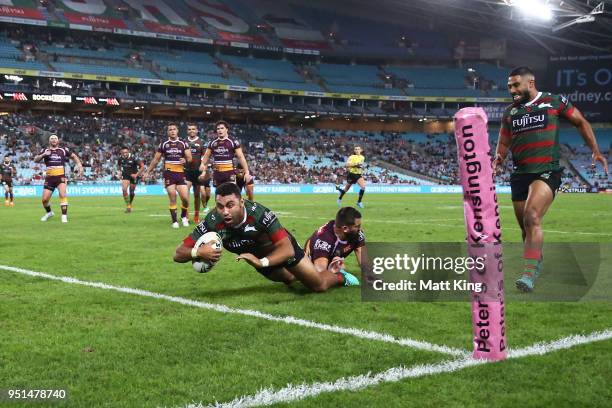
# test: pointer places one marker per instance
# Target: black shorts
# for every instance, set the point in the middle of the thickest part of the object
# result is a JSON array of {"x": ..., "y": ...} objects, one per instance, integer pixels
[
  {"x": 8, "y": 183},
  {"x": 352, "y": 178},
  {"x": 297, "y": 257},
  {"x": 193, "y": 175},
  {"x": 205, "y": 183},
  {"x": 129, "y": 177},
  {"x": 520, "y": 182}
]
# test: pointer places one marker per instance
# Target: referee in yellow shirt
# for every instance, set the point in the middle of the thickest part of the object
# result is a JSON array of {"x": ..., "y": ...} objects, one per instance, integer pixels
[{"x": 354, "y": 174}]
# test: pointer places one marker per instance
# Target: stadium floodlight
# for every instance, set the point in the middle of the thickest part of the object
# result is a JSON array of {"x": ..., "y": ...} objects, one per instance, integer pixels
[
  {"x": 587, "y": 18},
  {"x": 535, "y": 9}
]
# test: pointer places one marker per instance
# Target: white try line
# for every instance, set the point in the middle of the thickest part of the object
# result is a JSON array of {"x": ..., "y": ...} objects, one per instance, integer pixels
[
  {"x": 290, "y": 393},
  {"x": 350, "y": 331}
]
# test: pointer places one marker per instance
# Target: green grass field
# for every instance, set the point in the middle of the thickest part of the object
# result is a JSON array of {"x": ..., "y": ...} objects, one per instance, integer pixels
[{"x": 112, "y": 349}]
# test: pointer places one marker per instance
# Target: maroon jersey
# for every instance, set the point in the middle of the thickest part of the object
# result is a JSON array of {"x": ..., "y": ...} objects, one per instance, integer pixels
[
  {"x": 325, "y": 244},
  {"x": 197, "y": 147},
  {"x": 223, "y": 152},
  {"x": 7, "y": 171},
  {"x": 173, "y": 151},
  {"x": 56, "y": 160}
]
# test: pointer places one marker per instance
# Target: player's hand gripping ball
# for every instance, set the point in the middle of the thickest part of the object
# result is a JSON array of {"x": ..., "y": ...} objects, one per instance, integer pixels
[{"x": 210, "y": 237}]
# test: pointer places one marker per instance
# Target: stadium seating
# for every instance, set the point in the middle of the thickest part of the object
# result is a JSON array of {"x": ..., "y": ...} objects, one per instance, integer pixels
[
  {"x": 431, "y": 77},
  {"x": 112, "y": 54},
  {"x": 102, "y": 70}
]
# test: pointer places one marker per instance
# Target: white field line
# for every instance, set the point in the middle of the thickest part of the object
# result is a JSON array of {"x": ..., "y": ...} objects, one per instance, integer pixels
[
  {"x": 290, "y": 393},
  {"x": 350, "y": 331}
]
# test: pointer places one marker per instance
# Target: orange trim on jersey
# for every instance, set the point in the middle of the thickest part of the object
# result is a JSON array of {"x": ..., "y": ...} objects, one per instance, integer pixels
[
  {"x": 224, "y": 167},
  {"x": 55, "y": 172},
  {"x": 177, "y": 168}
]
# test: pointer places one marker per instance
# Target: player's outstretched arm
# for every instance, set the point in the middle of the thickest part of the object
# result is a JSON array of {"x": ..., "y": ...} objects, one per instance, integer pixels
[
  {"x": 586, "y": 131},
  {"x": 283, "y": 250}
]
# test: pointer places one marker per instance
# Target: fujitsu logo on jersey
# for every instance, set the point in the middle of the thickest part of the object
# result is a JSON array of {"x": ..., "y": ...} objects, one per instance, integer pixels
[
  {"x": 237, "y": 243},
  {"x": 529, "y": 121},
  {"x": 269, "y": 218},
  {"x": 221, "y": 150}
]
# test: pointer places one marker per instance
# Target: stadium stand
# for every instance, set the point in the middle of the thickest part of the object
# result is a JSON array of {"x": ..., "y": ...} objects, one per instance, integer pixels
[{"x": 277, "y": 154}]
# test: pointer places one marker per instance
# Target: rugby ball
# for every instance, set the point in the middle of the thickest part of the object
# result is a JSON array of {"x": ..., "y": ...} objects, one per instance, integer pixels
[{"x": 217, "y": 243}]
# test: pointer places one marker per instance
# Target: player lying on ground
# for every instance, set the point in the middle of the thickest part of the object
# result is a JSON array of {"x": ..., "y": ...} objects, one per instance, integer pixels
[
  {"x": 329, "y": 245},
  {"x": 254, "y": 233}
]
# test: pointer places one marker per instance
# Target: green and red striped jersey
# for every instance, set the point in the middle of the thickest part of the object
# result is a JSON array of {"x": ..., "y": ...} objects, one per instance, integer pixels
[{"x": 534, "y": 131}]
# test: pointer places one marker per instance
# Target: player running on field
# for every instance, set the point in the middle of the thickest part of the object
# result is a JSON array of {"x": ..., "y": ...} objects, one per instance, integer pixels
[
  {"x": 175, "y": 153},
  {"x": 129, "y": 169},
  {"x": 254, "y": 233},
  {"x": 530, "y": 130},
  {"x": 223, "y": 149},
  {"x": 55, "y": 157},
  {"x": 7, "y": 172},
  {"x": 354, "y": 175}
]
